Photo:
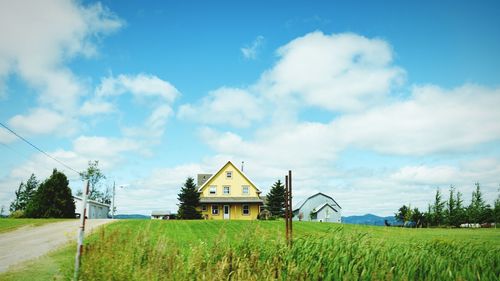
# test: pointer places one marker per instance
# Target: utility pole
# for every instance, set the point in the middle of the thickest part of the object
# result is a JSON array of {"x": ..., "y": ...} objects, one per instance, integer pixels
[
  {"x": 81, "y": 232},
  {"x": 288, "y": 208},
  {"x": 113, "y": 203}
]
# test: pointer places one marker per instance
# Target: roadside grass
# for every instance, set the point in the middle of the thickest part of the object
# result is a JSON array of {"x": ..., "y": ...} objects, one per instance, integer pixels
[
  {"x": 8, "y": 224},
  {"x": 256, "y": 250},
  {"x": 56, "y": 265}
]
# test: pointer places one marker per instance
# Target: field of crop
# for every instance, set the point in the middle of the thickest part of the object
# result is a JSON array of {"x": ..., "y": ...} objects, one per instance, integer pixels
[
  {"x": 241, "y": 250},
  {"x": 238, "y": 250}
]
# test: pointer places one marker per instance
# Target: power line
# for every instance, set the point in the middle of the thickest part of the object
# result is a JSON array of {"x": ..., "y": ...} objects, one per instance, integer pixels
[{"x": 35, "y": 147}]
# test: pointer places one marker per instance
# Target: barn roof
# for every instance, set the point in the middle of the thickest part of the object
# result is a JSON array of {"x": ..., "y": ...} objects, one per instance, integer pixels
[
  {"x": 301, "y": 203},
  {"x": 322, "y": 206}
]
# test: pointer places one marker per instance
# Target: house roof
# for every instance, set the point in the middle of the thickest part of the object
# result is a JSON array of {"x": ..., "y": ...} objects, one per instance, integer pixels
[
  {"x": 214, "y": 175},
  {"x": 301, "y": 203},
  {"x": 322, "y": 206},
  {"x": 91, "y": 201},
  {"x": 230, "y": 200}
]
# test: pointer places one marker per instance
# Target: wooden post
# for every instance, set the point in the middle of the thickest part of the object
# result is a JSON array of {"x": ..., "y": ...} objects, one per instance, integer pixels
[
  {"x": 81, "y": 232},
  {"x": 290, "y": 203},
  {"x": 286, "y": 210}
]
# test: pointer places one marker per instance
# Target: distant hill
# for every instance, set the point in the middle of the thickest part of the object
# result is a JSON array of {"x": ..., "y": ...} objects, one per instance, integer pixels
[
  {"x": 132, "y": 216},
  {"x": 369, "y": 219}
]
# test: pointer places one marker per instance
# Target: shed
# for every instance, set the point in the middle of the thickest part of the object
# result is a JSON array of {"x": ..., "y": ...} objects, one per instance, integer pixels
[
  {"x": 160, "y": 215},
  {"x": 95, "y": 210}
]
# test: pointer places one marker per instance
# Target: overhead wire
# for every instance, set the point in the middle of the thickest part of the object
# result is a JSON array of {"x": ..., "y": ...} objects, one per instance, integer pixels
[{"x": 37, "y": 148}]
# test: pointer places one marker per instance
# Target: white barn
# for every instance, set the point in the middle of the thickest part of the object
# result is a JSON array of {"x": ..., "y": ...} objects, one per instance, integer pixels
[
  {"x": 318, "y": 207},
  {"x": 95, "y": 210}
]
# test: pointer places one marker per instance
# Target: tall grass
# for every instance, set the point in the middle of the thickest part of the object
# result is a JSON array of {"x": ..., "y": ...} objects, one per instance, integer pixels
[{"x": 256, "y": 253}]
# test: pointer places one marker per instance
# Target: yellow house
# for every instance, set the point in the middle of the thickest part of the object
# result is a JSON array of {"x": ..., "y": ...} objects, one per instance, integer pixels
[{"x": 228, "y": 194}]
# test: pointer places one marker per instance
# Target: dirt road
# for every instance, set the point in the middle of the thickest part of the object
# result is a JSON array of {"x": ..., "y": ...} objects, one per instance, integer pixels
[{"x": 30, "y": 242}]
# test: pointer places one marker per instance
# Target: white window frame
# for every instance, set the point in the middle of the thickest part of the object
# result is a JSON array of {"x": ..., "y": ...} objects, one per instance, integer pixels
[
  {"x": 243, "y": 187},
  {"x": 229, "y": 174},
  {"x": 215, "y": 211},
  {"x": 228, "y": 190},
  {"x": 214, "y": 187},
  {"x": 243, "y": 209},
  {"x": 204, "y": 207}
]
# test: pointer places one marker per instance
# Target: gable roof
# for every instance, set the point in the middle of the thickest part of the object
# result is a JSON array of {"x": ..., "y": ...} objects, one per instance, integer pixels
[
  {"x": 319, "y": 193},
  {"x": 222, "y": 168},
  {"x": 322, "y": 206}
]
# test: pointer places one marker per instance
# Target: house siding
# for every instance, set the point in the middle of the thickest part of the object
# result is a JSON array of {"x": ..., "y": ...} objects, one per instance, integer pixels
[{"x": 235, "y": 211}]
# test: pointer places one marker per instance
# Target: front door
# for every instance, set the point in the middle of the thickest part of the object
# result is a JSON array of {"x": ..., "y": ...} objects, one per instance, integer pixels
[{"x": 226, "y": 212}]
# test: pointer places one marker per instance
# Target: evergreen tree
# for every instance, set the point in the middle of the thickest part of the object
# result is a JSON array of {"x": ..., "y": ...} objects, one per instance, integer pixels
[
  {"x": 450, "y": 213},
  {"x": 496, "y": 209},
  {"x": 460, "y": 215},
  {"x": 276, "y": 199},
  {"x": 24, "y": 194},
  {"x": 418, "y": 217},
  {"x": 477, "y": 207},
  {"x": 189, "y": 199},
  {"x": 52, "y": 199},
  {"x": 437, "y": 209}
]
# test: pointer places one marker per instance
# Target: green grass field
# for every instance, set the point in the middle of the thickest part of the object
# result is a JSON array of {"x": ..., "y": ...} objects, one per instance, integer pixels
[
  {"x": 240, "y": 250},
  {"x": 7, "y": 224}
]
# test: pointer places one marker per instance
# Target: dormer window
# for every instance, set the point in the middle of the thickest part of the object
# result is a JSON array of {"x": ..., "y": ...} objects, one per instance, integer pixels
[{"x": 229, "y": 175}]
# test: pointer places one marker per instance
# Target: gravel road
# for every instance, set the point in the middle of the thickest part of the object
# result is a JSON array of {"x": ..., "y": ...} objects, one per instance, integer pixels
[{"x": 30, "y": 242}]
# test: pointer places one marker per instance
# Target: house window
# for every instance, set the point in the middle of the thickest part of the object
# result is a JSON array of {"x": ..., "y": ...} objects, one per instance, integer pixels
[
  {"x": 203, "y": 208},
  {"x": 213, "y": 189},
  {"x": 215, "y": 210},
  {"x": 229, "y": 175},
  {"x": 245, "y": 189},
  {"x": 246, "y": 210},
  {"x": 226, "y": 190}
]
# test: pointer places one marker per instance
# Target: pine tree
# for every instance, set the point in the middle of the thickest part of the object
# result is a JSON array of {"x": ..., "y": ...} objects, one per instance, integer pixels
[
  {"x": 437, "y": 209},
  {"x": 451, "y": 207},
  {"x": 477, "y": 206},
  {"x": 189, "y": 199},
  {"x": 276, "y": 199},
  {"x": 52, "y": 199},
  {"x": 24, "y": 194},
  {"x": 496, "y": 209}
]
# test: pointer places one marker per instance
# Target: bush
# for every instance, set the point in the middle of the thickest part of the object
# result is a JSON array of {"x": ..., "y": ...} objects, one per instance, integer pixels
[{"x": 17, "y": 214}]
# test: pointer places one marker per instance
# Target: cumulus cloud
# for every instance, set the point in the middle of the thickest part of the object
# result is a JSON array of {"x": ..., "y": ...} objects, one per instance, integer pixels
[
  {"x": 251, "y": 51},
  {"x": 158, "y": 94},
  {"x": 42, "y": 121},
  {"x": 45, "y": 36},
  {"x": 225, "y": 106},
  {"x": 432, "y": 120},
  {"x": 339, "y": 72}
]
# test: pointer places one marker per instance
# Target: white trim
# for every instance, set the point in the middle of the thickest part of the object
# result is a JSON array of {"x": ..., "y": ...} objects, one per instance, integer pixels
[{"x": 243, "y": 174}]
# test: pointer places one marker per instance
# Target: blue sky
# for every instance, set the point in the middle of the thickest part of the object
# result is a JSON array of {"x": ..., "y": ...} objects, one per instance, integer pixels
[{"x": 376, "y": 105}]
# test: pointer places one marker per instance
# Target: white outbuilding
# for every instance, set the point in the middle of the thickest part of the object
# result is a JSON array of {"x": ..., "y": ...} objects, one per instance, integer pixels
[
  {"x": 318, "y": 207},
  {"x": 95, "y": 210}
]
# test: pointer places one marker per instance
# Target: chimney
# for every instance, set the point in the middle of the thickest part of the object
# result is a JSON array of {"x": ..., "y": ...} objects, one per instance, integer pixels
[{"x": 242, "y": 165}]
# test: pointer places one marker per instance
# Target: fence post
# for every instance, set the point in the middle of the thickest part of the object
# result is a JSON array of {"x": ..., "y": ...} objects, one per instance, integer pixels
[
  {"x": 286, "y": 210},
  {"x": 81, "y": 232},
  {"x": 290, "y": 203}
]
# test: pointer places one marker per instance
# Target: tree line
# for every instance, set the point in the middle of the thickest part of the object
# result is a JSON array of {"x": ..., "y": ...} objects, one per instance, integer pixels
[
  {"x": 452, "y": 211},
  {"x": 52, "y": 198}
]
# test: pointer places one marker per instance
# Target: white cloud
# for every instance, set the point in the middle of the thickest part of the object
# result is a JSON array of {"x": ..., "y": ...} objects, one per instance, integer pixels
[
  {"x": 251, "y": 52},
  {"x": 432, "y": 120},
  {"x": 225, "y": 106},
  {"x": 141, "y": 85},
  {"x": 93, "y": 107},
  {"x": 42, "y": 121},
  {"x": 94, "y": 147},
  {"x": 45, "y": 36},
  {"x": 340, "y": 72}
]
